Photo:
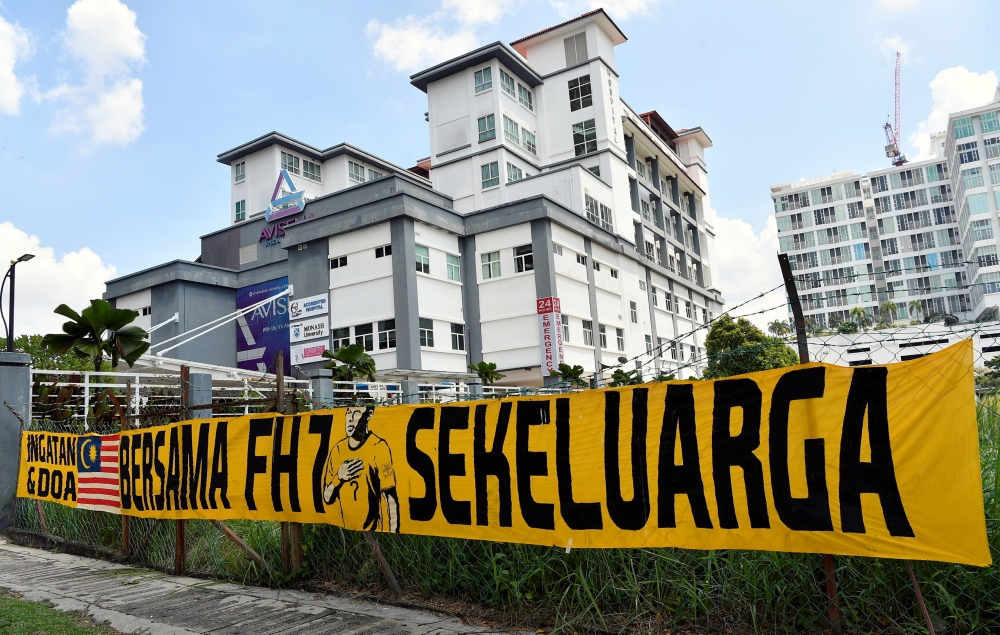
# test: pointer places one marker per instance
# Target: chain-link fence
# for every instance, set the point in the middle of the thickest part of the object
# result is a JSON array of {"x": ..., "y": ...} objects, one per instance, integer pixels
[{"x": 610, "y": 590}]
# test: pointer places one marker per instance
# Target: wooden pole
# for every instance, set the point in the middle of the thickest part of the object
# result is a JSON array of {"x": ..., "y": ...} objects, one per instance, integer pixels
[
  {"x": 920, "y": 598},
  {"x": 126, "y": 529},
  {"x": 180, "y": 528},
  {"x": 390, "y": 577},
  {"x": 829, "y": 564},
  {"x": 279, "y": 407},
  {"x": 229, "y": 533}
]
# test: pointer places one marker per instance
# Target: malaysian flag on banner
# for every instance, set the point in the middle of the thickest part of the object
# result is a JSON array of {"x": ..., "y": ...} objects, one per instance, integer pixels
[{"x": 97, "y": 473}]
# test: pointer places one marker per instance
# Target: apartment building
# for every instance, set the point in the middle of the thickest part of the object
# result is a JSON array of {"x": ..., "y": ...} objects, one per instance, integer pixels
[{"x": 550, "y": 223}]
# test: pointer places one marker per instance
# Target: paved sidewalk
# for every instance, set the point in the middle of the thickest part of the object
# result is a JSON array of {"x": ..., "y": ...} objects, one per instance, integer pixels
[{"x": 141, "y": 601}]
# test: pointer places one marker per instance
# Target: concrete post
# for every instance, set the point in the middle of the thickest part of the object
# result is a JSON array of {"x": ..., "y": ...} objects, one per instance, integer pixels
[
  {"x": 200, "y": 394},
  {"x": 410, "y": 389},
  {"x": 322, "y": 386},
  {"x": 15, "y": 389},
  {"x": 475, "y": 387}
]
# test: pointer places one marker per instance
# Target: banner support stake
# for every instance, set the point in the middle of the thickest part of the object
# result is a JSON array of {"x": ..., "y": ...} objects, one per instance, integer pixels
[
  {"x": 390, "y": 577},
  {"x": 920, "y": 597}
]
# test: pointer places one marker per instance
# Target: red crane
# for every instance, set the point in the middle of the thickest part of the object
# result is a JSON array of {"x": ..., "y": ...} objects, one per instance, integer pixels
[{"x": 892, "y": 136}]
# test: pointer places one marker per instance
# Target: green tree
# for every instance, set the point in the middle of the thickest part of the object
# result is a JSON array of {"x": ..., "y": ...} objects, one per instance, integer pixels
[
  {"x": 835, "y": 321},
  {"x": 846, "y": 328},
  {"x": 779, "y": 328},
  {"x": 487, "y": 372},
  {"x": 355, "y": 363},
  {"x": 571, "y": 374},
  {"x": 915, "y": 308},
  {"x": 860, "y": 317},
  {"x": 737, "y": 346},
  {"x": 44, "y": 358},
  {"x": 97, "y": 331},
  {"x": 625, "y": 378},
  {"x": 887, "y": 311}
]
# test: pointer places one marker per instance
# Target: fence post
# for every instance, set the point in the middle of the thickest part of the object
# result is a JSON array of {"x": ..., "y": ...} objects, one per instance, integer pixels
[
  {"x": 15, "y": 391},
  {"x": 322, "y": 386},
  {"x": 180, "y": 527},
  {"x": 410, "y": 389},
  {"x": 475, "y": 387},
  {"x": 829, "y": 564},
  {"x": 199, "y": 394},
  {"x": 291, "y": 532}
]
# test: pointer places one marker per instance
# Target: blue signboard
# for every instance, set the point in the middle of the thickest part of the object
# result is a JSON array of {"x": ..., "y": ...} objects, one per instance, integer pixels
[{"x": 264, "y": 331}]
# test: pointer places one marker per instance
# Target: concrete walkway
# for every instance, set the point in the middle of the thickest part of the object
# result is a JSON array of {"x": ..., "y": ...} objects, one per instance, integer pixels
[{"x": 135, "y": 600}]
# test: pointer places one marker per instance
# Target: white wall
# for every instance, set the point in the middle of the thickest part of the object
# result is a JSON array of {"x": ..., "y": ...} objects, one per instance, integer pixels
[{"x": 137, "y": 302}]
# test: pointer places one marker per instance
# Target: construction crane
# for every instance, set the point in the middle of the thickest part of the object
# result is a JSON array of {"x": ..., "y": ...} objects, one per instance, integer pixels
[{"x": 892, "y": 136}]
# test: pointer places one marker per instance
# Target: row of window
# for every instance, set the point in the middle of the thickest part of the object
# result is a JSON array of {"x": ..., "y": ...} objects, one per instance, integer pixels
[
  {"x": 484, "y": 81},
  {"x": 969, "y": 152},
  {"x": 973, "y": 177},
  {"x": 422, "y": 261},
  {"x": 490, "y": 174},
  {"x": 356, "y": 172},
  {"x": 365, "y": 335},
  {"x": 989, "y": 122},
  {"x": 310, "y": 170}
]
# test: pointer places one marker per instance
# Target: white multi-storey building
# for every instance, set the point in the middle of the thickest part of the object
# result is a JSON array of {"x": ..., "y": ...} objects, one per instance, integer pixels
[{"x": 551, "y": 222}]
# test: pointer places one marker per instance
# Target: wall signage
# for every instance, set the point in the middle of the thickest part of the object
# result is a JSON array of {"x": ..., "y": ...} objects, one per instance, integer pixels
[
  {"x": 550, "y": 333},
  {"x": 308, "y": 352},
  {"x": 309, "y": 329},
  {"x": 263, "y": 331},
  {"x": 285, "y": 202},
  {"x": 307, "y": 307},
  {"x": 274, "y": 233}
]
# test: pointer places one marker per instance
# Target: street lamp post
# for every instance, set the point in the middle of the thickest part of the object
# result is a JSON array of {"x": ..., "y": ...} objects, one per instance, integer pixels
[{"x": 10, "y": 323}]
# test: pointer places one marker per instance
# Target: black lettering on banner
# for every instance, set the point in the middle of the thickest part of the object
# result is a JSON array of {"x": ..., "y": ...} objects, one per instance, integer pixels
[
  {"x": 492, "y": 463},
  {"x": 200, "y": 476},
  {"x": 449, "y": 464},
  {"x": 31, "y": 481},
  {"x": 729, "y": 451},
  {"x": 136, "y": 473},
  {"x": 424, "y": 507},
  {"x": 536, "y": 515},
  {"x": 321, "y": 425},
  {"x": 220, "y": 467},
  {"x": 632, "y": 514},
  {"x": 124, "y": 467},
  {"x": 187, "y": 463},
  {"x": 256, "y": 463},
  {"x": 70, "y": 492},
  {"x": 575, "y": 515},
  {"x": 868, "y": 392},
  {"x": 71, "y": 447},
  {"x": 811, "y": 513},
  {"x": 158, "y": 442},
  {"x": 43, "y": 481},
  {"x": 285, "y": 464},
  {"x": 673, "y": 479},
  {"x": 173, "y": 485},
  {"x": 57, "y": 483},
  {"x": 147, "y": 470}
]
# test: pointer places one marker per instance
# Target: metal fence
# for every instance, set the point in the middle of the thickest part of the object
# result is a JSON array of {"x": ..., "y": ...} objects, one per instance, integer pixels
[{"x": 612, "y": 590}]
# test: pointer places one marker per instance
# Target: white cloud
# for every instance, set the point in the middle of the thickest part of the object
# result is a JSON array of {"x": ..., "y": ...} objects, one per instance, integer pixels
[
  {"x": 46, "y": 281},
  {"x": 892, "y": 45},
  {"x": 745, "y": 264},
  {"x": 617, "y": 9},
  {"x": 15, "y": 45},
  {"x": 952, "y": 90},
  {"x": 412, "y": 44},
  {"x": 103, "y": 37}
]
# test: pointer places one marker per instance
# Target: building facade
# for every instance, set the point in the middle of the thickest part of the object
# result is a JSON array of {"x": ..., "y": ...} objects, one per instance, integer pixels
[{"x": 550, "y": 223}]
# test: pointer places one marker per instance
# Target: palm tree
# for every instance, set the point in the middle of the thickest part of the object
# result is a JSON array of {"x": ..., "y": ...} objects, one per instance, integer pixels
[
  {"x": 98, "y": 330},
  {"x": 355, "y": 362},
  {"x": 811, "y": 325},
  {"x": 887, "y": 310},
  {"x": 915, "y": 307},
  {"x": 625, "y": 378},
  {"x": 571, "y": 374},
  {"x": 860, "y": 317},
  {"x": 487, "y": 372},
  {"x": 835, "y": 321},
  {"x": 778, "y": 328}
]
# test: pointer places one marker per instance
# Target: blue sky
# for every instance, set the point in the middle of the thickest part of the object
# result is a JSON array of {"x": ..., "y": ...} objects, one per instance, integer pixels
[{"x": 108, "y": 153}]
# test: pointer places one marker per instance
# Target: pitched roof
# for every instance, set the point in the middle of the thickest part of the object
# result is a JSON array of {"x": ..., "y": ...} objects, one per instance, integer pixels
[{"x": 567, "y": 22}]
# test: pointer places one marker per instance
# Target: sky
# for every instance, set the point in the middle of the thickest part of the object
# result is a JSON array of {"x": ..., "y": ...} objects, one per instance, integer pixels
[{"x": 112, "y": 113}]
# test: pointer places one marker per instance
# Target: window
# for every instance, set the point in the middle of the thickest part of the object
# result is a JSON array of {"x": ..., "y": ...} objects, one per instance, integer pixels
[
  {"x": 427, "y": 332},
  {"x": 484, "y": 79},
  {"x": 290, "y": 163},
  {"x": 363, "y": 336},
  {"x": 514, "y": 173},
  {"x": 687, "y": 308},
  {"x": 529, "y": 141},
  {"x": 491, "y": 264},
  {"x": 633, "y": 312},
  {"x": 968, "y": 152},
  {"x": 524, "y": 96},
  {"x": 386, "y": 334},
  {"x": 656, "y": 301},
  {"x": 454, "y": 267},
  {"x": 356, "y": 172},
  {"x": 642, "y": 285},
  {"x": 620, "y": 336},
  {"x": 995, "y": 174},
  {"x": 597, "y": 266},
  {"x": 507, "y": 83},
  {"x": 576, "y": 49},
  {"x": 565, "y": 327},
  {"x": 704, "y": 316},
  {"x": 241, "y": 210},
  {"x": 976, "y": 204},
  {"x": 584, "y": 137},
  {"x": 879, "y": 184},
  {"x": 523, "y": 260},
  {"x": 973, "y": 177},
  {"x": 557, "y": 249},
  {"x": 372, "y": 175},
  {"x": 644, "y": 204},
  {"x": 341, "y": 338},
  {"x": 598, "y": 213},
  {"x": 337, "y": 263},
  {"x": 510, "y": 130},
  {"x": 989, "y": 121},
  {"x": 614, "y": 272},
  {"x": 579, "y": 93},
  {"x": 487, "y": 128},
  {"x": 963, "y": 128},
  {"x": 596, "y": 170},
  {"x": 640, "y": 168},
  {"x": 649, "y": 344},
  {"x": 311, "y": 170},
  {"x": 457, "y": 337},
  {"x": 992, "y": 148},
  {"x": 491, "y": 174},
  {"x": 603, "y": 333},
  {"x": 240, "y": 170},
  {"x": 588, "y": 333},
  {"x": 382, "y": 252},
  {"x": 986, "y": 256},
  {"x": 982, "y": 229},
  {"x": 581, "y": 259},
  {"x": 423, "y": 257}
]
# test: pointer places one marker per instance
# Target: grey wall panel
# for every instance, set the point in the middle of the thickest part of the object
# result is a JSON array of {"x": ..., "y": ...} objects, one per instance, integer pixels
[
  {"x": 197, "y": 304},
  {"x": 222, "y": 249},
  {"x": 404, "y": 291},
  {"x": 470, "y": 299}
]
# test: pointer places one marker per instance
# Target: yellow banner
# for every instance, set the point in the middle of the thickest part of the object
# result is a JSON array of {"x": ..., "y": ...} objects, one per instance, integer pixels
[{"x": 869, "y": 461}]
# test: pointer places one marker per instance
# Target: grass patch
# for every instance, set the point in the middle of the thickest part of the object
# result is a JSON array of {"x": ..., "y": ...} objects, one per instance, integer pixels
[{"x": 21, "y": 617}]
